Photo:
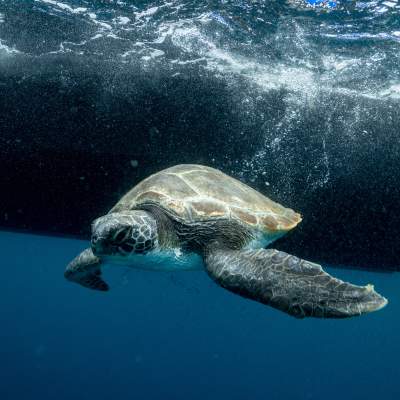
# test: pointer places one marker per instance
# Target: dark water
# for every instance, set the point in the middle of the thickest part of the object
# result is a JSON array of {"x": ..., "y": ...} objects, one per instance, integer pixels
[
  {"x": 299, "y": 100},
  {"x": 178, "y": 336}
]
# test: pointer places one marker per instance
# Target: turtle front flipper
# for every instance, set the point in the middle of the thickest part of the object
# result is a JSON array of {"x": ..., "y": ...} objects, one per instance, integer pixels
[
  {"x": 297, "y": 287},
  {"x": 85, "y": 270}
]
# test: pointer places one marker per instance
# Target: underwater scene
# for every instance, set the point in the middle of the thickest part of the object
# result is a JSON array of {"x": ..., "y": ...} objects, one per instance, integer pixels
[{"x": 199, "y": 199}]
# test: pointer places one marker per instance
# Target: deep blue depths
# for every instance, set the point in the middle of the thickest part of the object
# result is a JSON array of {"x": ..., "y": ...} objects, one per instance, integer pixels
[{"x": 178, "y": 336}]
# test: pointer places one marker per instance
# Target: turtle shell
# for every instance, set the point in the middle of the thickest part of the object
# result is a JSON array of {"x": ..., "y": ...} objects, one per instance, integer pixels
[{"x": 195, "y": 193}]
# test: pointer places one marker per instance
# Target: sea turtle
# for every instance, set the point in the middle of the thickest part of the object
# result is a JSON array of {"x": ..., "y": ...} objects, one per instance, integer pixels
[{"x": 193, "y": 216}]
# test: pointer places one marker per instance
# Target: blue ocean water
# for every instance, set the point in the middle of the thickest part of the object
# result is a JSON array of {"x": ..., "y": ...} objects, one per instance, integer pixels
[{"x": 178, "y": 336}]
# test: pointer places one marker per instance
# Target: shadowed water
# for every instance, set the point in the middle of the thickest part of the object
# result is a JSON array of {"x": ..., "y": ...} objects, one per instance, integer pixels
[{"x": 300, "y": 101}]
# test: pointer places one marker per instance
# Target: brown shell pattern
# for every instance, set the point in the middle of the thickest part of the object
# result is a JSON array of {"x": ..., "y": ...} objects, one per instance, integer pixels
[{"x": 197, "y": 193}]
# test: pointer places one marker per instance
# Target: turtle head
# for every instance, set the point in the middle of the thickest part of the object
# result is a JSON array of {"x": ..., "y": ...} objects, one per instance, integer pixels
[{"x": 124, "y": 234}]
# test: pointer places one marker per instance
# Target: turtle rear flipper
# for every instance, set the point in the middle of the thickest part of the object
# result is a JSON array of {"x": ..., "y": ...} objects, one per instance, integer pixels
[
  {"x": 297, "y": 287},
  {"x": 85, "y": 270}
]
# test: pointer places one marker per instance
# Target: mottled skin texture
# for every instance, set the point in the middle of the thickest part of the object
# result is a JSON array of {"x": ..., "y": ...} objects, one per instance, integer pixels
[
  {"x": 135, "y": 232},
  {"x": 198, "y": 209},
  {"x": 297, "y": 287}
]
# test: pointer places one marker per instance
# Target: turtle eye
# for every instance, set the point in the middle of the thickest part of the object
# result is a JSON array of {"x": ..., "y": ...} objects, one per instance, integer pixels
[
  {"x": 127, "y": 247},
  {"x": 120, "y": 236}
]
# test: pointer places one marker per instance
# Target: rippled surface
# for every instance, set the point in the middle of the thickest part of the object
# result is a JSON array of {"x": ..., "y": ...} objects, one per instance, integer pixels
[
  {"x": 270, "y": 43},
  {"x": 307, "y": 49}
]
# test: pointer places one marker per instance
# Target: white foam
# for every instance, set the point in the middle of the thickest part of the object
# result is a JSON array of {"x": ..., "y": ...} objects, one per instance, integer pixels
[
  {"x": 64, "y": 6},
  {"x": 390, "y": 4},
  {"x": 81, "y": 10},
  {"x": 123, "y": 20},
  {"x": 266, "y": 76},
  {"x": 393, "y": 91},
  {"x": 93, "y": 18},
  {"x": 4, "y": 49},
  {"x": 336, "y": 63},
  {"x": 381, "y": 9},
  {"x": 303, "y": 80},
  {"x": 156, "y": 53},
  {"x": 147, "y": 13},
  {"x": 97, "y": 36}
]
